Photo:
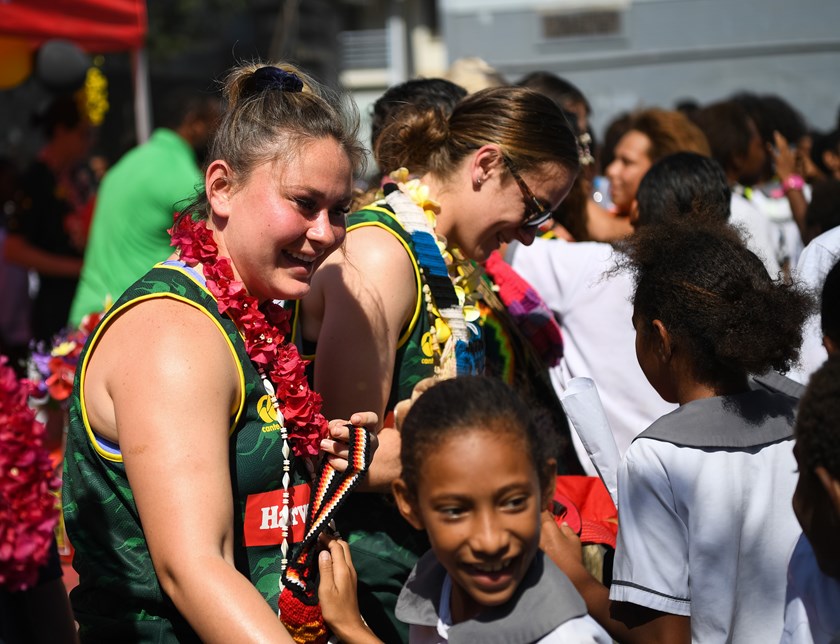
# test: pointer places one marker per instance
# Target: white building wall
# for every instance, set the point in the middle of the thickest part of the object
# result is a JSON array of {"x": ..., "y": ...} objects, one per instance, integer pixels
[{"x": 664, "y": 50}]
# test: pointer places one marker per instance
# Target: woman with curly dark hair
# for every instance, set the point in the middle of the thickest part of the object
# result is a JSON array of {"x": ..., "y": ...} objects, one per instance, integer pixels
[
  {"x": 706, "y": 526},
  {"x": 651, "y": 134}
]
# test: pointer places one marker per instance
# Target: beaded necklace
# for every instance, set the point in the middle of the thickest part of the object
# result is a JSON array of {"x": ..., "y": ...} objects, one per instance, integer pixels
[
  {"x": 450, "y": 281},
  {"x": 264, "y": 331}
]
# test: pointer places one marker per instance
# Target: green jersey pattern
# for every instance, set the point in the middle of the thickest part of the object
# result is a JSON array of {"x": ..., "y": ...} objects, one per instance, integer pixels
[
  {"x": 383, "y": 545},
  {"x": 412, "y": 362},
  {"x": 119, "y": 597}
]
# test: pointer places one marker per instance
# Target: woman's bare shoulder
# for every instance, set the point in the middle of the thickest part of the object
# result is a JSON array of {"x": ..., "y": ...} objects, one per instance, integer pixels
[{"x": 155, "y": 351}]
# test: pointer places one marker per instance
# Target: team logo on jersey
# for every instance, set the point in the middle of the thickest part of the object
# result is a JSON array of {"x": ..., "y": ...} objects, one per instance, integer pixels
[
  {"x": 266, "y": 411},
  {"x": 268, "y": 414},
  {"x": 264, "y": 516},
  {"x": 426, "y": 344}
]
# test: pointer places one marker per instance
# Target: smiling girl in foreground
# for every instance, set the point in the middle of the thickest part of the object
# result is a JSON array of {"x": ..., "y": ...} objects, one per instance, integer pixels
[{"x": 475, "y": 477}]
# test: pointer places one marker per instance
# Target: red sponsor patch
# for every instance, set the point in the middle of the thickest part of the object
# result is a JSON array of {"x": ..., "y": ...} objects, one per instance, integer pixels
[{"x": 264, "y": 511}]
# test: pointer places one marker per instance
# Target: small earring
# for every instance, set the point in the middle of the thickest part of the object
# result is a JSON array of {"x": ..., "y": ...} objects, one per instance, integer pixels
[{"x": 479, "y": 181}]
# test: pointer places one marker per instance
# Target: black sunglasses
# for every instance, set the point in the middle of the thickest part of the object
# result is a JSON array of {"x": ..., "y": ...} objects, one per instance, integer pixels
[{"x": 535, "y": 213}]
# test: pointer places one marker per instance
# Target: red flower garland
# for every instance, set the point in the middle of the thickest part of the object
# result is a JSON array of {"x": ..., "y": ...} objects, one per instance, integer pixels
[
  {"x": 265, "y": 329},
  {"x": 28, "y": 485}
]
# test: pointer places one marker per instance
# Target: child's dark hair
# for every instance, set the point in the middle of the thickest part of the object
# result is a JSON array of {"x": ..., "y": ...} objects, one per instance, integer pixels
[
  {"x": 823, "y": 211},
  {"x": 715, "y": 298},
  {"x": 830, "y": 307},
  {"x": 421, "y": 93},
  {"x": 681, "y": 184},
  {"x": 472, "y": 402},
  {"x": 818, "y": 420},
  {"x": 726, "y": 125},
  {"x": 558, "y": 89},
  {"x": 772, "y": 113}
]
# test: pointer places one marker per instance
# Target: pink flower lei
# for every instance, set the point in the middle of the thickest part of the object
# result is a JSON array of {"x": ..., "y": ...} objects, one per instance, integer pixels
[
  {"x": 265, "y": 329},
  {"x": 28, "y": 486}
]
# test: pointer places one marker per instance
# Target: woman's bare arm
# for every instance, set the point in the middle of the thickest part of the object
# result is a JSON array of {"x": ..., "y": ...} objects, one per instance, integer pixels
[
  {"x": 17, "y": 250},
  {"x": 363, "y": 297},
  {"x": 171, "y": 380}
]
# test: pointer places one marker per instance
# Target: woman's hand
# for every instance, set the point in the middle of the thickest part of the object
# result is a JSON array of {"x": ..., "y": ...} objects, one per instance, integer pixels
[
  {"x": 337, "y": 594},
  {"x": 388, "y": 462},
  {"x": 337, "y": 446},
  {"x": 787, "y": 164}
]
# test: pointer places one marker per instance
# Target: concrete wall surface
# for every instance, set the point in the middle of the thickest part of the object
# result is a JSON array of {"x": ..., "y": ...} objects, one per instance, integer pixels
[{"x": 625, "y": 54}]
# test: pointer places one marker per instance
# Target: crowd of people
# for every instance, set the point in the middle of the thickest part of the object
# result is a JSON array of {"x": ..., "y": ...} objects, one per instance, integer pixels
[{"x": 314, "y": 408}]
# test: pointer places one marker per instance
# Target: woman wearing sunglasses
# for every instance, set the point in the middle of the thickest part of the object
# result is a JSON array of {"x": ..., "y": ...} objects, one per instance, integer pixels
[{"x": 408, "y": 299}]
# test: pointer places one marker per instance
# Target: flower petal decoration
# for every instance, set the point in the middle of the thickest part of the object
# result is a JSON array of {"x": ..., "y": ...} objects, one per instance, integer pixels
[
  {"x": 28, "y": 486},
  {"x": 52, "y": 366}
]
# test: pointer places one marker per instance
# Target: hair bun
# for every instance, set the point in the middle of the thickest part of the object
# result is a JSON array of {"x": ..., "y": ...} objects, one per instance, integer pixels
[{"x": 269, "y": 77}]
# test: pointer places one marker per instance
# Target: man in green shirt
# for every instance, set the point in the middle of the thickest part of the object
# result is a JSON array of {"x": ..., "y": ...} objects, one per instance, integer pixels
[{"x": 137, "y": 200}]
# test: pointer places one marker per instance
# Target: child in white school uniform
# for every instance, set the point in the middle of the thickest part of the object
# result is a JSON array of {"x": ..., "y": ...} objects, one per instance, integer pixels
[
  {"x": 705, "y": 527},
  {"x": 812, "y": 611}
]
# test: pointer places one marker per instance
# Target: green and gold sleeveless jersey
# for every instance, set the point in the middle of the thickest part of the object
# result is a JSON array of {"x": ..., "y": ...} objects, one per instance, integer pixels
[
  {"x": 384, "y": 546},
  {"x": 413, "y": 360},
  {"x": 119, "y": 598}
]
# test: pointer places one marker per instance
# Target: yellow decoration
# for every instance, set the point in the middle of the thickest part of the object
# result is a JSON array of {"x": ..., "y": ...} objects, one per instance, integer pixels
[
  {"x": 426, "y": 344},
  {"x": 96, "y": 95},
  {"x": 442, "y": 330},
  {"x": 465, "y": 276},
  {"x": 63, "y": 349},
  {"x": 472, "y": 313},
  {"x": 16, "y": 65}
]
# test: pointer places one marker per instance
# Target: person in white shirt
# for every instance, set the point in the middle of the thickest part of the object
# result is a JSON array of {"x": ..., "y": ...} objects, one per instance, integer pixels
[
  {"x": 814, "y": 264},
  {"x": 705, "y": 527},
  {"x": 813, "y": 593}
]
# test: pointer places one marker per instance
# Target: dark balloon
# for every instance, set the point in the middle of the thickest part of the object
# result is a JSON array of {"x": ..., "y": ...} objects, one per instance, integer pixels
[{"x": 61, "y": 66}]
